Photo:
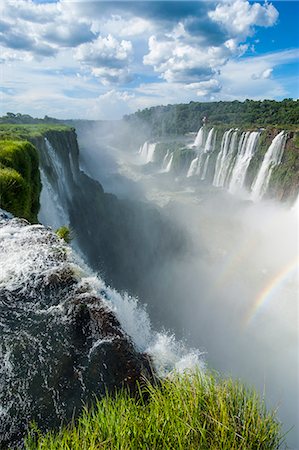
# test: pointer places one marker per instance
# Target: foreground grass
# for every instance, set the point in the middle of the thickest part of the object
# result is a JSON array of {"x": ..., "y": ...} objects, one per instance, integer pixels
[{"x": 189, "y": 412}]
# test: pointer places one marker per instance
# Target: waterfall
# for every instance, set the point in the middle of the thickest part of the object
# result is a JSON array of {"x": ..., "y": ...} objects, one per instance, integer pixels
[
  {"x": 246, "y": 151},
  {"x": 193, "y": 167},
  {"x": 144, "y": 151},
  {"x": 165, "y": 160},
  {"x": 205, "y": 167},
  {"x": 64, "y": 335},
  {"x": 55, "y": 188},
  {"x": 225, "y": 157},
  {"x": 147, "y": 152},
  {"x": 209, "y": 145},
  {"x": 52, "y": 212},
  {"x": 168, "y": 167},
  {"x": 151, "y": 153},
  {"x": 271, "y": 159},
  {"x": 198, "y": 164},
  {"x": 209, "y": 148},
  {"x": 199, "y": 140}
]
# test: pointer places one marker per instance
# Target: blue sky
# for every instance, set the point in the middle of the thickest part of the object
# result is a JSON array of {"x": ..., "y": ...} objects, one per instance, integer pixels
[{"x": 97, "y": 60}]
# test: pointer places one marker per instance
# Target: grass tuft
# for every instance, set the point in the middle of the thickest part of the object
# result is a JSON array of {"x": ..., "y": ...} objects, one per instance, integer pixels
[{"x": 192, "y": 411}]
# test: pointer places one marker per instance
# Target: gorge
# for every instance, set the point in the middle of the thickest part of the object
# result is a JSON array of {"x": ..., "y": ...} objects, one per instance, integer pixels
[{"x": 191, "y": 225}]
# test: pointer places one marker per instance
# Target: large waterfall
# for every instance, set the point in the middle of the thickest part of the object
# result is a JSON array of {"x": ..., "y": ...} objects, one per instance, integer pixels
[
  {"x": 199, "y": 165},
  {"x": 271, "y": 159},
  {"x": 239, "y": 162},
  {"x": 225, "y": 157},
  {"x": 199, "y": 140},
  {"x": 246, "y": 151},
  {"x": 56, "y": 176},
  {"x": 147, "y": 151},
  {"x": 65, "y": 336}
]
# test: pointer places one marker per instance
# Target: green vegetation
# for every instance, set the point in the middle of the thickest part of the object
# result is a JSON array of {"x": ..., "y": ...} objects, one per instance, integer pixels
[
  {"x": 183, "y": 118},
  {"x": 20, "y": 184},
  {"x": 184, "y": 412},
  {"x": 284, "y": 181},
  {"x": 28, "y": 132},
  {"x": 65, "y": 234},
  {"x": 162, "y": 148},
  {"x": 182, "y": 159}
]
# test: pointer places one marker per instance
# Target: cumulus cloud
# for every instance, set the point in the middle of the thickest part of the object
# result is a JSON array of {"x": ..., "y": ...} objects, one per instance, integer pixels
[
  {"x": 106, "y": 57},
  {"x": 175, "y": 52},
  {"x": 178, "y": 57},
  {"x": 197, "y": 48},
  {"x": 239, "y": 17}
]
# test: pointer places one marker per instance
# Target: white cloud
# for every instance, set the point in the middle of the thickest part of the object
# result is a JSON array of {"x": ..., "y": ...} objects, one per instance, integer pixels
[
  {"x": 239, "y": 17},
  {"x": 178, "y": 57},
  {"x": 106, "y": 57},
  {"x": 123, "y": 27},
  {"x": 251, "y": 77}
]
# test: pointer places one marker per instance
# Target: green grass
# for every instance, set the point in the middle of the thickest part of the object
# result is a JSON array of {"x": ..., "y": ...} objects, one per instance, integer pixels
[
  {"x": 200, "y": 412},
  {"x": 28, "y": 131},
  {"x": 20, "y": 184}
]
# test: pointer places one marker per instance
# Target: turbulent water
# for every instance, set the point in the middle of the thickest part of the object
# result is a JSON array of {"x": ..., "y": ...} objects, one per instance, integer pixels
[{"x": 65, "y": 335}]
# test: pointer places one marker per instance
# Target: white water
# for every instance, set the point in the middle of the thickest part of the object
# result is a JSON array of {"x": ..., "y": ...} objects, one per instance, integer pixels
[
  {"x": 193, "y": 167},
  {"x": 199, "y": 140},
  {"x": 51, "y": 212},
  {"x": 55, "y": 190},
  {"x": 165, "y": 160},
  {"x": 243, "y": 158},
  {"x": 205, "y": 167},
  {"x": 225, "y": 157},
  {"x": 210, "y": 142},
  {"x": 271, "y": 159},
  {"x": 169, "y": 164},
  {"x": 147, "y": 152},
  {"x": 25, "y": 258},
  {"x": 198, "y": 165}
]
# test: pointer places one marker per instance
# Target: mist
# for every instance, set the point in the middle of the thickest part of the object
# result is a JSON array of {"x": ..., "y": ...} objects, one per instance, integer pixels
[{"x": 232, "y": 292}]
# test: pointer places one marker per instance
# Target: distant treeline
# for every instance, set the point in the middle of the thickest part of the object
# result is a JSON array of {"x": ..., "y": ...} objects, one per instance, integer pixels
[
  {"x": 26, "y": 119},
  {"x": 182, "y": 118}
]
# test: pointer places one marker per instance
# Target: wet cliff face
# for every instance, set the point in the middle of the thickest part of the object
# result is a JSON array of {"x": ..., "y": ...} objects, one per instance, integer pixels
[
  {"x": 60, "y": 342},
  {"x": 121, "y": 239}
]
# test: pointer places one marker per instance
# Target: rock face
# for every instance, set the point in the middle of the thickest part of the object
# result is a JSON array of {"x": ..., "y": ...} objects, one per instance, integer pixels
[
  {"x": 121, "y": 239},
  {"x": 60, "y": 342}
]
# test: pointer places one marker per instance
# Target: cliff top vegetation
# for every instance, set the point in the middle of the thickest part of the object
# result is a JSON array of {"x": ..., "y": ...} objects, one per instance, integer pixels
[
  {"x": 28, "y": 131},
  {"x": 183, "y": 118},
  {"x": 193, "y": 411}
]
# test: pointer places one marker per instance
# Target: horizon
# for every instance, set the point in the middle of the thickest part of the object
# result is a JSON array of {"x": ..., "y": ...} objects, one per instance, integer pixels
[{"x": 102, "y": 60}]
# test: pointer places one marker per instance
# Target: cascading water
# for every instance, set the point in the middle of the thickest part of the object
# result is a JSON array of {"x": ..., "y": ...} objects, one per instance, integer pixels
[
  {"x": 151, "y": 153},
  {"x": 225, "y": 157},
  {"x": 144, "y": 151},
  {"x": 199, "y": 165},
  {"x": 271, "y": 159},
  {"x": 199, "y": 140},
  {"x": 209, "y": 148},
  {"x": 205, "y": 167},
  {"x": 245, "y": 153},
  {"x": 165, "y": 160},
  {"x": 56, "y": 191},
  {"x": 169, "y": 164},
  {"x": 65, "y": 336},
  {"x": 147, "y": 152},
  {"x": 193, "y": 167}
]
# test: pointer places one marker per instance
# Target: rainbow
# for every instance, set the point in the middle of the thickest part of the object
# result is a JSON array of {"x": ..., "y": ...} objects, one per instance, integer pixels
[{"x": 265, "y": 295}]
